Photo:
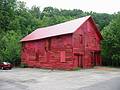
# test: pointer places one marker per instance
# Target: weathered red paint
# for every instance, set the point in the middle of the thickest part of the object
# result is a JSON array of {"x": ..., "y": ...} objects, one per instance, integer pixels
[{"x": 72, "y": 47}]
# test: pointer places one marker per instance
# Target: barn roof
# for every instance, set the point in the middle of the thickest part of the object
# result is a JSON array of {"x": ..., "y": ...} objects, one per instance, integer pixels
[{"x": 55, "y": 30}]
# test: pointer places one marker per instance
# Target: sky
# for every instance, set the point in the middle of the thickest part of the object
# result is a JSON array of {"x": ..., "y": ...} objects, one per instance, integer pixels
[{"x": 100, "y": 6}]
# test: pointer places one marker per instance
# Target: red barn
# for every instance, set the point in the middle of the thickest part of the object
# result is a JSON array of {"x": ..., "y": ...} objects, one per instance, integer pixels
[{"x": 67, "y": 46}]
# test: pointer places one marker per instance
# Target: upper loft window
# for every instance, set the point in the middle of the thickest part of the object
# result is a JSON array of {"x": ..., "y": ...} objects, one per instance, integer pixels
[
  {"x": 95, "y": 42},
  {"x": 81, "y": 38},
  {"x": 49, "y": 43}
]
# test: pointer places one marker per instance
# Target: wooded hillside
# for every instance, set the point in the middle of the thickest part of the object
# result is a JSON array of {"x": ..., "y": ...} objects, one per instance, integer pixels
[{"x": 16, "y": 21}]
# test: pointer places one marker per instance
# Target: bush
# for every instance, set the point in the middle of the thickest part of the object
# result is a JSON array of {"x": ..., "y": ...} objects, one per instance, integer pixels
[
  {"x": 77, "y": 69},
  {"x": 23, "y": 65}
]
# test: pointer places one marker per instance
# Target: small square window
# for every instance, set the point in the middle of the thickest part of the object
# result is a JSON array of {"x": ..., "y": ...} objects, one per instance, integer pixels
[{"x": 62, "y": 56}]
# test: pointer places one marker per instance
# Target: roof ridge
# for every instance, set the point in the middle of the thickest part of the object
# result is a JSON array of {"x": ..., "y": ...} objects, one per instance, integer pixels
[
  {"x": 55, "y": 30},
  {"x": 65, "y": 22}
]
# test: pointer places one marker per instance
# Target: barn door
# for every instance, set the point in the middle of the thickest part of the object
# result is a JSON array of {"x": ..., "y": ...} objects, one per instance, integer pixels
[
  {"x": 94, "y": 58},
  {"x": 79, "y": 60}
]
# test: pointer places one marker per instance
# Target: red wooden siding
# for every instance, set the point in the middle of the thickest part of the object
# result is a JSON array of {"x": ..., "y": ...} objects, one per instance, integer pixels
[{"x": 80, "y": 49}]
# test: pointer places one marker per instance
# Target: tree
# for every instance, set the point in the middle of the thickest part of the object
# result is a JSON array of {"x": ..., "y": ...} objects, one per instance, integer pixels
[
  {"x": 7, "y": 11},
  {"x": 35, "y": 11},
  {"x": 111, "y": 42},
  {"x": 11, "y": 50}
]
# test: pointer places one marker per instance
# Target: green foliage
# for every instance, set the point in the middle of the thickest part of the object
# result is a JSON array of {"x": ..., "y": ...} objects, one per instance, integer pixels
[
  {"x": 53, "y": 15},
  {"x": 111, "y": 42},
  {"x": 102, "y": 19},
  {"x": 17, "y": 21},
  {"x": 23, "y": 65},
  {"x": 77, "y": 69},
  {"x": 7, "y": 8},
  {"x": 11, "y": 50}
]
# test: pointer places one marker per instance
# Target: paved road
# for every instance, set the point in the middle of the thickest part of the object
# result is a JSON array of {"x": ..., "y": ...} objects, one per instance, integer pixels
[
  {"x": 39, "y": 79},
  {"x": 113, "y": 84}
]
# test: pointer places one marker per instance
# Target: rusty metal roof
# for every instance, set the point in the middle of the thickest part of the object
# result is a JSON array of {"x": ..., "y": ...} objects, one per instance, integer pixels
[{"x": 55, "y": 30}]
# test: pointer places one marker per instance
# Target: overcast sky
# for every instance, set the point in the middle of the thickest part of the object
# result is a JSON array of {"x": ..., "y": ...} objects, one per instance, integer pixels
[{"x": 101, "y": 6}]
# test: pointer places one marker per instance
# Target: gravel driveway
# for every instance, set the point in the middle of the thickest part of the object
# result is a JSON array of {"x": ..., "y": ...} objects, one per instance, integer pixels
[{"x": 40, "y": 79}]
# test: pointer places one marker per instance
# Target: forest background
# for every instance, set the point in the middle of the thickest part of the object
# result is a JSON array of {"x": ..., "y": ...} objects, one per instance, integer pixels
[{"x": 17, "y": 21}]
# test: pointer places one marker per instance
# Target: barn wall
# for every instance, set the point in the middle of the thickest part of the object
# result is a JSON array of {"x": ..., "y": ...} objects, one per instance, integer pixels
[
  {"x": 79, "y": 45},
  {"x": 80, "y": 49},
  {"x": 90, "y": 43},
  {"x": 55, "y": 52},
  {"x": 94, "y": 40}
]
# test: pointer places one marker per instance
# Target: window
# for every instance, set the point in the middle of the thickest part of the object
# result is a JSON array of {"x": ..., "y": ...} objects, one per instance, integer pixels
[
  {"x": 49, "y": 43},
  {"x": 81, "y": 39},
  {"x": 62, "y": 56},
  {"x": 95, "y": 42},
  {"x": 45, "y": 49}
]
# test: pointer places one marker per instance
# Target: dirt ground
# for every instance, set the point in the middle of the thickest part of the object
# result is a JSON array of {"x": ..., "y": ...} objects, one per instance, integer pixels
[{"x": 41, "y": 79}]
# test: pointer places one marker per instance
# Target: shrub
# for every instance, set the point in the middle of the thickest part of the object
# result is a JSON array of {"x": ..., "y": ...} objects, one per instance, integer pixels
[{"x": 23, "y": 65}]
